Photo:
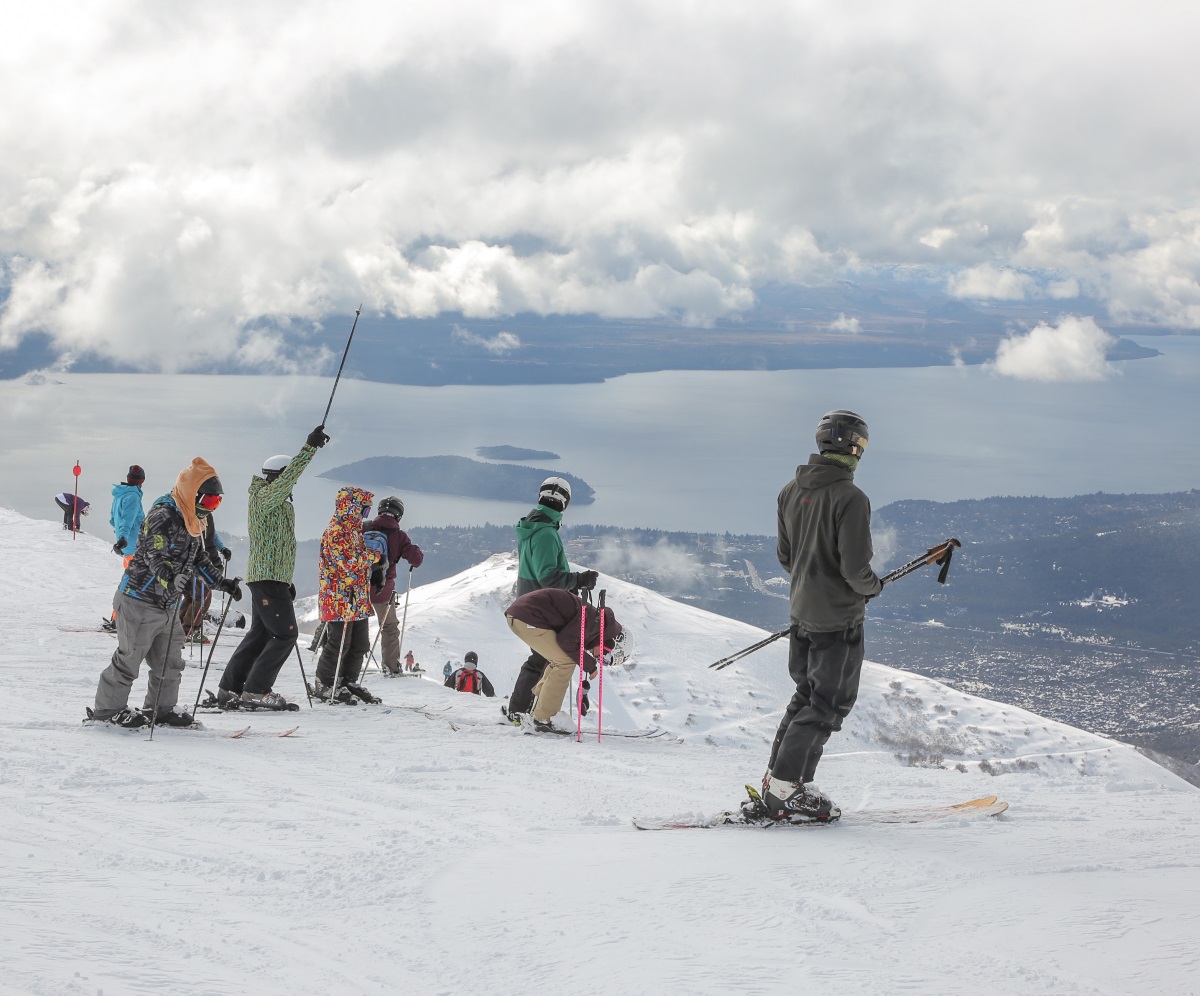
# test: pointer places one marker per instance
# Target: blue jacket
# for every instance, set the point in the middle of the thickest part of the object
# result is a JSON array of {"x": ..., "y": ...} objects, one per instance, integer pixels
[{"x": 127, "y": 515}]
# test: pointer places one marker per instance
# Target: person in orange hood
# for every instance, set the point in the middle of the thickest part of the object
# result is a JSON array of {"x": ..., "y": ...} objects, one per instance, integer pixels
[{"x": 170, "y": 550}]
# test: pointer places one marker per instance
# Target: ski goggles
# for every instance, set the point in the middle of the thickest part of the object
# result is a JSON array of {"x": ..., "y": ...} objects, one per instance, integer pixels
[{"x": 210, "y": 503}]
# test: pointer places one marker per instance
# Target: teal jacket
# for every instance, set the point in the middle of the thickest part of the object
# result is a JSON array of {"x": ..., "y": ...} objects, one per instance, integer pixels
[
  {"x": 126, "y": 515},
  {"x": 541, "y": 562}
]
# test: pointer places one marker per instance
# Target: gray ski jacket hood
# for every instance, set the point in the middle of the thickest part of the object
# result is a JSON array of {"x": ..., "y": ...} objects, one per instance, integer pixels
[{"x": 825, "y": 545}]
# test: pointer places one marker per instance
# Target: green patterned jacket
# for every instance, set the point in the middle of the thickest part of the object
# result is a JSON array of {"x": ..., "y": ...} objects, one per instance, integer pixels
[{"x": 272, "y": 522}]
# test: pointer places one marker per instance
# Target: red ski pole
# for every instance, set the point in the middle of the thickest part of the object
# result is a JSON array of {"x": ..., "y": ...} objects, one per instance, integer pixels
[
  {"x": 600, "y": 670},
  {"x": 77, "y": 470},
  {"x": 582, "y": 673}
]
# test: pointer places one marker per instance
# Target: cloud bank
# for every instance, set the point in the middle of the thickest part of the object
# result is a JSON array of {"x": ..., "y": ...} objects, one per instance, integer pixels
[
  {"x": 1073, "y": 350},
  {"x": 183, "y": 184}
]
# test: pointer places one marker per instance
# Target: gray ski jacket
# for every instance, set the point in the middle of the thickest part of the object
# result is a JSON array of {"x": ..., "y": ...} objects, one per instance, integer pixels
[{"x": 825, "y": 544}]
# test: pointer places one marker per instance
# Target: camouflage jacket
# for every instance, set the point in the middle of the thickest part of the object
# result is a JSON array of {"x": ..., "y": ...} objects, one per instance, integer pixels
[{"x": 271, "y": 521}]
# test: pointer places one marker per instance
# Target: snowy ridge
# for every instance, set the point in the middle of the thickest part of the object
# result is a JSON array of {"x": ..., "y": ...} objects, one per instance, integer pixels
[{"x": 422, "y": 846}]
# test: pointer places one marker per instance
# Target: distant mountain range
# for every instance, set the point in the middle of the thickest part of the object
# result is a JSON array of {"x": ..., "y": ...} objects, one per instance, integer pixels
[{"x": 456, "y": 475}]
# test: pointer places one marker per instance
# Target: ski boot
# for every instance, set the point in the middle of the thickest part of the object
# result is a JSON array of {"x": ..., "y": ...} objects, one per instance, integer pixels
[
  {"x": 799, "y": 803},
  {"x": 360, "y": 693}
]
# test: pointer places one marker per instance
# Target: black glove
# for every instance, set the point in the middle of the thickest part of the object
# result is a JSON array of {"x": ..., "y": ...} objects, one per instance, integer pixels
[
  {"x": 317, "y": 438},
  {"x": 585, "y": 705},
  {"x": 586, "y": 580},
  {"x": 226, "y": 553},
  {"x": 120, "y": 545},
  {"x": 291, "y": 592},
  {"x": 231, "y": 587}
]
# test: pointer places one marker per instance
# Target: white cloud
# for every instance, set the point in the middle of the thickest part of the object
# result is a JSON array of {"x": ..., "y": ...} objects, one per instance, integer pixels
[
  {"x": 844, "y": 324},
  {"x": 1073, "y": 350},
  {"x": 177, "y": 178},
  {"x": 497, "y": 345},
  {"x": 994, "y": 282}
]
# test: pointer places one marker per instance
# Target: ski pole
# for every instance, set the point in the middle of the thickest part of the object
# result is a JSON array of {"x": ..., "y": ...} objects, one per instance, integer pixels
[
  {"x": 600, "y": 670},
  {"x": 583, "y": 605},
  {"x": 345, "y": 352},
  {"x": 939, "y": 555},
  {"x": 303, "y": 676},
  {"x": 163, "y": 677},
  {"x": 212, "y": 647},
  {"x": 404, "y": 621},
  {"x": 726, "y": 661},
  {"x": 76, "y": 470},
  {"x": 337, "y": 674}
]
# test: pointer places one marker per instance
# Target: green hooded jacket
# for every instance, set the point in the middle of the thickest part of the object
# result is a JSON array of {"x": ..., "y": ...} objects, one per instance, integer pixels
[
  {"x": 541, "y": 562},
  {"x": 271, "y": 520}
]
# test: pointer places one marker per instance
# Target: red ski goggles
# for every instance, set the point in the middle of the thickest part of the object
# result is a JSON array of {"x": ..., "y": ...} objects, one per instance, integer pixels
[{"x": 210, "y": 503}]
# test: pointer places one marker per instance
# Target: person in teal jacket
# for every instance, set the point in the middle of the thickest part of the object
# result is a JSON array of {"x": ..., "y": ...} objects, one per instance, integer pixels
[
  {"x": 542, "y": 563},
  {"x": 127, "y": 514}
]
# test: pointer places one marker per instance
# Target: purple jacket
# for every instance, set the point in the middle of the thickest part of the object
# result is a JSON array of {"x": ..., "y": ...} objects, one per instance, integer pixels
[
  {"x": 558, "y": 610},
  {"x": 400, "y": 547}
]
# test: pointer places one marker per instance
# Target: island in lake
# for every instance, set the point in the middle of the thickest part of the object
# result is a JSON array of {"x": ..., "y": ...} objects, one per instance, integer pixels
[
  {"x": 513, "y": 453},
  {"x": 455, "y": 475}
]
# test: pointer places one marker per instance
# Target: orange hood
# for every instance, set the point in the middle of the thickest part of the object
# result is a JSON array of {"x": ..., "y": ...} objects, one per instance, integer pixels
[{"x": 186, "y": 485}]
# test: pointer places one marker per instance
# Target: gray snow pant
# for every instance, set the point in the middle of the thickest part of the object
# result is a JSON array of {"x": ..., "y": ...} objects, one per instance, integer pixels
[
  {"x": 142, "y": 636},
  {"x": 826, "y": 668},
  {"x": 389, "y": 634}
]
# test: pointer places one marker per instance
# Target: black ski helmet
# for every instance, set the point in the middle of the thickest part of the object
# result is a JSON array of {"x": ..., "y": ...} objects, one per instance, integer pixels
[
  {"x": 471, "y": 658},
  {"x": 212, "y": 486},
  {"x": 392, "y": 506},
  {"x": 555, "y": 493},
  {"x": 842, "y": 432}
]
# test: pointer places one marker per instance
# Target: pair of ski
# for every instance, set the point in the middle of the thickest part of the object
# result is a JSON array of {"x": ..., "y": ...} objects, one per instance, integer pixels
[
  {"x": 212, "y": 705},
  {"x": 651, "y": 732},
  {"x": 753, "y": 814}
]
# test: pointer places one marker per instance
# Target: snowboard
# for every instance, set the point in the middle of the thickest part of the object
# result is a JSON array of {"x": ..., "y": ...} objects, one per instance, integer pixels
[{"x": 973, "y": 808}]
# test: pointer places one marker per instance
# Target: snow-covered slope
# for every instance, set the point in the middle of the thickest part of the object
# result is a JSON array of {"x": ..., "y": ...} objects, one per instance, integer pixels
[{"x": 431, "y": 850}]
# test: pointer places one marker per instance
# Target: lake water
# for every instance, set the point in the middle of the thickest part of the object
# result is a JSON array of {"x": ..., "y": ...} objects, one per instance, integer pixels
[{"x": 702, "y": 451}]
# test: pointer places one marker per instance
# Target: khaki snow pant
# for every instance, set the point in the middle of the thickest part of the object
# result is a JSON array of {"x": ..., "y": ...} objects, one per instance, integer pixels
[
  {"x": 556, "y": 679},
  {"x": 142, "y": 636},
  {"x": 389, "y": 634}
]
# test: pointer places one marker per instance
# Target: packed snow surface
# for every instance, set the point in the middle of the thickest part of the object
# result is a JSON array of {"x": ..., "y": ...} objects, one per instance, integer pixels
[{"x": 420, "y": 846}]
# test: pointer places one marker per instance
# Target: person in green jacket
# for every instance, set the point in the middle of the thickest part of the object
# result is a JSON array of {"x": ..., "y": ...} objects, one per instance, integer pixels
[
  {"x": 542, "y": 563},
  {"x": 254, "y": 666}
]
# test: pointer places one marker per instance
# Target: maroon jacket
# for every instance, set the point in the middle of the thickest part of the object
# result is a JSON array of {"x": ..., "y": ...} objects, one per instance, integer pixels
[
  {"x": 399, "y": 546},
  {"x": 558, "y": 610}
]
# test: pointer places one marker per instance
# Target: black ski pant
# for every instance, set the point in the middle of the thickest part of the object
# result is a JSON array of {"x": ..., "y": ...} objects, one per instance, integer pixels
[
  {"x": 826, "y": 668},
  {"x": 357, "y": 644},
  {"x": 521, "y": 698},
  {"x": 255, "y": 665}
]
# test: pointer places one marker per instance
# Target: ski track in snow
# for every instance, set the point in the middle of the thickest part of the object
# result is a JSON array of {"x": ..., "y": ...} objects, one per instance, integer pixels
[{"x": 378, "y": 849}]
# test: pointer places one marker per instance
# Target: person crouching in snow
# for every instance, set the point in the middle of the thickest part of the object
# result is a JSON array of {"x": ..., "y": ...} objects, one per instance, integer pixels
[
  {"x": 547, "y": 621},
  {"x": 344, "y": 598},
  {"x": 169, "y": 549},
  {"x": 469, "y": 678}
]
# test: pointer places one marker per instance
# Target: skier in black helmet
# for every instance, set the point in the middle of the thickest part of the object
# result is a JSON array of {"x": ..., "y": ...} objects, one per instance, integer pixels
[
  {"x": 383, "y": 581},
  {"x": 254, "y": 666},
  {"x": 542, "y": 563},
  {"x": 469, "y": 678},
  {"x": 824, "y": 543}
]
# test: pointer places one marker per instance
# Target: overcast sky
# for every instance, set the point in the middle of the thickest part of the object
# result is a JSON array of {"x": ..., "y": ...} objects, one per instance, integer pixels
[{"x": 181, "y": 181}]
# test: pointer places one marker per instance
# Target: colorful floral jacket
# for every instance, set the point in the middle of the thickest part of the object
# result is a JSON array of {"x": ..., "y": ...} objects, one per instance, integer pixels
[{"x": 344, "y": 571}]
